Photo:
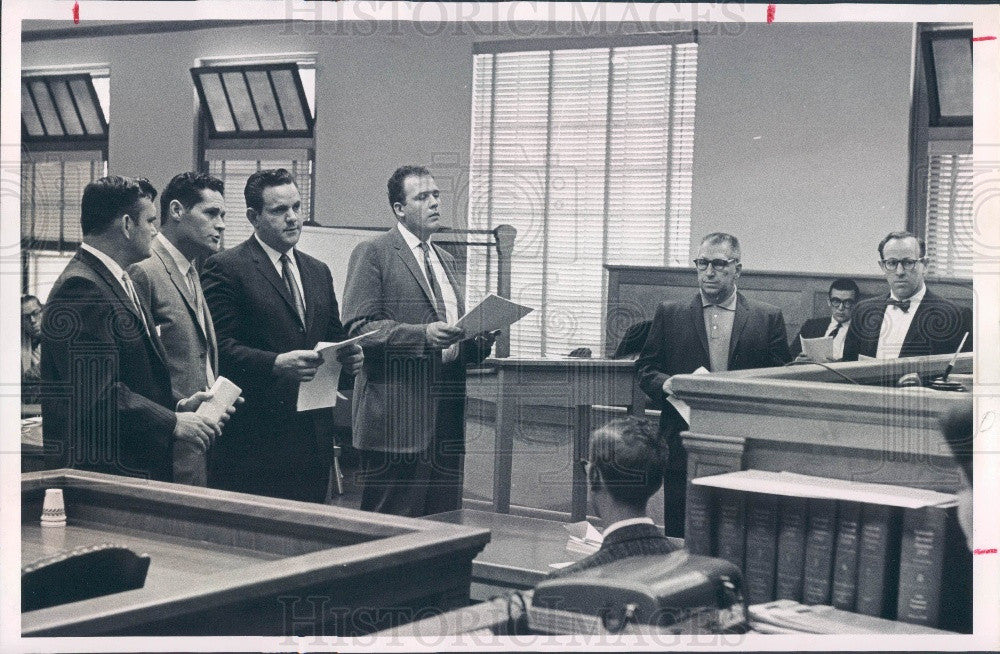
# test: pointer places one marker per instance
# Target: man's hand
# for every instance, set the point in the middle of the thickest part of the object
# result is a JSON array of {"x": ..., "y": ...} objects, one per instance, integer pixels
[
  {"x": 193, "y": 428},
  {"x": 297, "y": 365},
  {"x": 441, "y": 334},
  {"x": 191, "y": 404},
  {"x": 351, "y": 357},
  {"x": 667, "y": 389}
]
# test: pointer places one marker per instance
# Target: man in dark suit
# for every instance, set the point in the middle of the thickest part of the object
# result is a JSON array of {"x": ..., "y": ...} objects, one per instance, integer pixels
[
  {"x": 910, "y": 321},
  {"x": 192, "y": 220},
  {"x": 271, "y": 305},
  {"x": 625, "y": 468},
  {"x": 107, "y": 403},
  {"x": 409, "y": 400},
  {"x": 843, "y": 295},
  {"x": 717, "y": 330}
]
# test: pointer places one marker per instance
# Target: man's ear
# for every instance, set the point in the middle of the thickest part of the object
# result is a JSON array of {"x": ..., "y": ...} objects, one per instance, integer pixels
[
  {"x": 594, "y": 478},
  {"x": 174, "y": 211},
  {"x": 252, "y": 216},
  {"x": 125, "y": 225},
  {"x": 397, "y": 208}
]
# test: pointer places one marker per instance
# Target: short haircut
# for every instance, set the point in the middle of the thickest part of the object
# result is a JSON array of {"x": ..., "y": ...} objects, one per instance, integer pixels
[
  {"x": 186, "y": 188},
  {"x": 845, "y": 284},
  {"x": 395, "y": 183},
  {"x": 253, "y": 192},
  {"x": 630, "y": 457},
  {"x": 900, "y": 235},
  {"x": 28, "y": 297},
  {"x": 107, "y": 199},
  {"x": 722, "y": 237}
]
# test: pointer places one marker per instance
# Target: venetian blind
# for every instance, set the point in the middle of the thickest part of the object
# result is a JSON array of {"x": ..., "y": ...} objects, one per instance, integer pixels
[
  {"x": 588, "y": 154},
  {"x": 949, "y": 230}
]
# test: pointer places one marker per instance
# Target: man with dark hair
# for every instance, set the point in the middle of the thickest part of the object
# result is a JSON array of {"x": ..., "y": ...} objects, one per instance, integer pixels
[
  {"x": 271, "y": 305},
  {"x": 625, "y": 468},
  {"x": 192, "y": 220},
  {"x": 719, "y": 329},
  {"x": 31, "y": 336},
  {"x": 409, "y": 402},
  {"x": 842, "y": 296},
  {"x": 911, "y": 320},
  {"x": 108, "y": 404}
]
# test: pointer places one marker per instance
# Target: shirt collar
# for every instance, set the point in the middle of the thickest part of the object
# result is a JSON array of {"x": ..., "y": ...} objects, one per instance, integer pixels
[
  {"x": 273, "y": 254},
  {"x": 109, "y": 263},
  {"x": 626, "y": 523},
  {"x": 833, "y": 322},
  {"x": 411, "y": 239},
  {"x": 915, "y": 298},
  {"x": 729, "y": 304},
  {"x": 182, "y": 263}
]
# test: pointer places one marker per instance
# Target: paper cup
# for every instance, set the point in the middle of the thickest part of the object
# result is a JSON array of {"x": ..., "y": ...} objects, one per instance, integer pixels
[{"x": 53, "y": 508}]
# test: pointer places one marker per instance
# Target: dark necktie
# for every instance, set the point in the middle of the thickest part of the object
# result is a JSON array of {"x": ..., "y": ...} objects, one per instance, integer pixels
[
  {"x": 293, "y": 288},
  {"x": 904, "y": 305},
  {"x": 836, "y": 330},
  {"x": 432, "y": 279}
]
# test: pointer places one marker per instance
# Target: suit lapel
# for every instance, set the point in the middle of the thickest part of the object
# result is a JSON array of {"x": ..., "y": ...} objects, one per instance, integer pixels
[
  {"x": 739, "y": 322},
  {"x": 406, "y": 256},
  {"x": 308, "y": 283},
  {"x": 268, "y": 272},
  {"x": 698, "y": 318},
  {"x": 179, "y": 281}
]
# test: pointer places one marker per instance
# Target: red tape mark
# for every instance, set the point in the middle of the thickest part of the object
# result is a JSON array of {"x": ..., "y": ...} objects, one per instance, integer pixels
[
  {"x": 76, "y": 13},
  {"x": 770, "y": 13},
  {"x": 984, "y": 38},
  {"x": 991, "y": 550}
]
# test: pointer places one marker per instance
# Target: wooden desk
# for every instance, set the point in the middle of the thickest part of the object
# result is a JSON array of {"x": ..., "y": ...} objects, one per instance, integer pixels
[
  {"x": 227, "y": 563},
  {"x": 577, "y": 383}
]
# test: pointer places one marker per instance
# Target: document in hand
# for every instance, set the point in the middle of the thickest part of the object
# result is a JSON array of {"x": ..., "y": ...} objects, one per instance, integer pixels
[
  {"x": 321, "y": 391},
  {"x": 682, "y": 406},
  {"x": 818, "y": 349},
  {"x": 224, "y": 394},
  {"x": 493, "y": 313}
]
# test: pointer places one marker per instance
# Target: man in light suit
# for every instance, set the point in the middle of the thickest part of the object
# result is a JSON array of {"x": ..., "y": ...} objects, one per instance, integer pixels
[
  {"x": 842, "y": 297},
  {"x": 107, "y": 403},
  {"x": 271, "y": 304},
  {"x": 192, "y": 220},
  {"x": 408, "y": 412},
  {"x": 625, "y": 468},
  {"x": 910, "y": 321},
  {"x": 719, "y": 329}
]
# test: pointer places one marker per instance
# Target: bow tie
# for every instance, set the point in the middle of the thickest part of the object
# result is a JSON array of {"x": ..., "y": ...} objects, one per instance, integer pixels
[{"x": 904, "y": 305}]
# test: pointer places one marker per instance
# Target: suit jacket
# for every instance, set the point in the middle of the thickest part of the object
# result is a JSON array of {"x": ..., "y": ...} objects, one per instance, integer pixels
[
  {"x": 164, "y": 288},
  {"x": 255, "y": 320},
  {"x": 812, "y": 328},
  {"x": 633, "y": 540},
  {"x": 677, "y": 344},
  {"x": 107, "y": 404},
  {"x": 937, "y": 328},
  {"x": 404, "y": 392}
]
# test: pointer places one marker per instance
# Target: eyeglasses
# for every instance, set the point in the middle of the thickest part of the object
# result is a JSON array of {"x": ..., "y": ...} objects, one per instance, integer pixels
[
  {"x": 717, "y": 264},
  {"x": 837, "y": 303},
  {"x": 890, "y": 265}
]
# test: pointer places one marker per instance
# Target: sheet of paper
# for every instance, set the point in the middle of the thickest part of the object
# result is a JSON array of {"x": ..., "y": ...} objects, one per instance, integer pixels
[
  {"x": 682, "y": 406},
  {"x": 224, "y": 394},
  {"x": 493, "y": 313},
  {"x": 321, "y": 391},
  {"x": 817, "y": 349}
]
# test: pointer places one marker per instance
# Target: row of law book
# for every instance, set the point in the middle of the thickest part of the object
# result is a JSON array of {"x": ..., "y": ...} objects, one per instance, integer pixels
[{"x": 887, "y": 551}]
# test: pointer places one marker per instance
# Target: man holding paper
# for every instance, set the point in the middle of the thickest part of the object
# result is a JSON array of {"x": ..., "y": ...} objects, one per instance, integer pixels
[
  {"x": 271, "y": 305},
  {"x": 409, "y": 400},
  {"x": 843, "y": 295},
  {"x": 718, "y": 330}
]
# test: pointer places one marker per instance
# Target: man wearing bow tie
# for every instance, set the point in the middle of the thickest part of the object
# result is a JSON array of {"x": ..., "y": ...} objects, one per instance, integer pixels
[
  {"x": 911, "y": 320},
  {"x": 718, "y": 329}
]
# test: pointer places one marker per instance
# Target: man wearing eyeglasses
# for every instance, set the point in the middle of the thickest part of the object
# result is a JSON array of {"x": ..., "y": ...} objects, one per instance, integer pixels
[
  {"x": 843, "y": 295},
  {"x": 911, "y": 321},
  {"x": 718, "y": 329}
]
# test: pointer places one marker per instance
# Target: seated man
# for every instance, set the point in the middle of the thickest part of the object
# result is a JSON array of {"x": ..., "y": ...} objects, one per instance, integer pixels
[
  {"x": 843, "y": 295},
  {"x": 31, "y": 338},
  {"x": 624, "y": 469}
]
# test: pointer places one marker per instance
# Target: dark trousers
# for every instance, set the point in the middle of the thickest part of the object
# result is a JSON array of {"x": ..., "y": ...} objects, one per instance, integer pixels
[
  {"x": 675, "y": 474},
  {"x": 414, "y": 484}
]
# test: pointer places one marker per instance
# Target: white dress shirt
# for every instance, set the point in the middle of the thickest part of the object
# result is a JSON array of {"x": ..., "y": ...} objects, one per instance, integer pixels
[
  {"x": 838, "y": 340},
  {"x": 895, "y": 324},
  {"x": 625, "y": 523},
  {"x": 444, "y": 282},
  {"x": 275, "y": 258},
  {"x": 110, "y": 264}
]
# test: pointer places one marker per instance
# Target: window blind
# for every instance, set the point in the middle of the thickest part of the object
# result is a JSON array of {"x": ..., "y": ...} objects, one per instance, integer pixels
[
  {"x": 949, "y": 230},
  {"x": 587, "y": 152}
]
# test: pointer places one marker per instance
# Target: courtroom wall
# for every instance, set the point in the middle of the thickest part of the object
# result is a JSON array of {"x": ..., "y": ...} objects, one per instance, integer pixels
[{"x": 829, "y": 103}]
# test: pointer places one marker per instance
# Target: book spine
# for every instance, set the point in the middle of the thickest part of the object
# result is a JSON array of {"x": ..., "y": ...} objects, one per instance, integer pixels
[
  {"x": 920, "y": 566},
  {"x": 791, "y": 548},
  {"x": 729, "y": 536},
  {"x": 698, "y": 532},
  {"x": 878, "y": 560},
  {"x": 818, "y": 564},
  {"x": 845, "y": 556},
  {"x": 761, "y": 547}
]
